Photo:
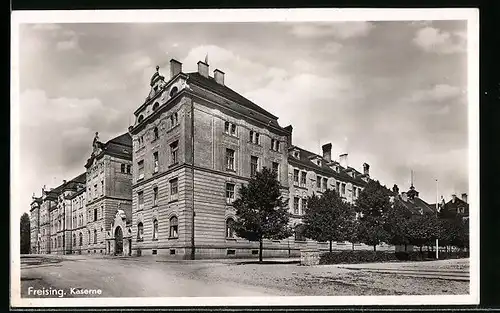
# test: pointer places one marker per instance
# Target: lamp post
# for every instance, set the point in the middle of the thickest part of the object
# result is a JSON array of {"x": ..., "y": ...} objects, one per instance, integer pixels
[{"x": 437, "y": 208}]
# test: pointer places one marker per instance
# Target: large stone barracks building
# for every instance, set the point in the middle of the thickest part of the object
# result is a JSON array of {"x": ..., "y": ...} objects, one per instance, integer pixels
[{"x": 166, "y": 187}]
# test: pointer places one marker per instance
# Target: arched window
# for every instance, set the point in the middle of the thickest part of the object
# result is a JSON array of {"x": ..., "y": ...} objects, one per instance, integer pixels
[
  {"x": 81, "y": 239},
  {"x": 140, "y": 119},
  {"x": 229, "y": 228},
  {"x": 174, "y": 227},
  {"x": 155, "y": 229},
  {"x": 95, "y": 236},
  {"x": 299, "y": 233},
  {"x": 140, "y": 232},
  {"x": 155, "y": 131},
  {"x": 173, "y": 91},
  {"x": 155, "y": 106}
]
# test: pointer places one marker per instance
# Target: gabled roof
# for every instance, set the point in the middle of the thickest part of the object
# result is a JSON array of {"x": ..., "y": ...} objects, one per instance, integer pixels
[
  {"x": 305, "y": 159},
  {"x": 414, "y": 205},
  {"x": 120, "y": 145},
  {"x": 450, "y": 208},
  {"x": 210, "y": 84}
]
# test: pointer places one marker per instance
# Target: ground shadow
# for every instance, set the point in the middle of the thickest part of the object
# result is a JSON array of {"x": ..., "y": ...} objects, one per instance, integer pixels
[{"x": 268, "y": 262}]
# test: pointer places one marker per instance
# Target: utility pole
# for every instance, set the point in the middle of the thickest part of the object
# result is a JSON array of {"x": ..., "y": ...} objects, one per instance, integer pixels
[{"x": 437, "y": 209}]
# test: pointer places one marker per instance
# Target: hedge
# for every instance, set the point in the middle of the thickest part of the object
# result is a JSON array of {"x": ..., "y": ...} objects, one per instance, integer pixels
[{"x": 365, "y": 256}]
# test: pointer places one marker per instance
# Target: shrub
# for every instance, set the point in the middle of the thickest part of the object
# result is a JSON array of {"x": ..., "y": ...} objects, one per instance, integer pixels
[
  {"x": 353, "y": 257},
  {"x": 365, "y": 256}
]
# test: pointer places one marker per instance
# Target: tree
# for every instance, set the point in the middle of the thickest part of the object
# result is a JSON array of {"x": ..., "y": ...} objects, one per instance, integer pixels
[
  {"x": 25, "y": 234},
  {"x": 260, "y": 211},
  {"x": 396, "y": 224},
  {"x": 423, "y": 230},
  {"x": 372, "y": 206},
  {"x": 327, "y": 218}
]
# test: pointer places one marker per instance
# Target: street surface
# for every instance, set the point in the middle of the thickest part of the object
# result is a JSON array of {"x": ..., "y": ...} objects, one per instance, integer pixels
[{"x": 156, "y": 277}]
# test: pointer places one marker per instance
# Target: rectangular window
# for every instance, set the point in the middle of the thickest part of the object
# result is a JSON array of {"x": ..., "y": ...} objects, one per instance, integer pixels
[
  {"x": 275, "y": 145},
  {"x": 174, "y": 191},
  {"x": 318, "y": 182},
  {"x": 95, "y": 214},
  {"x": 254, "y": 165},
  {"x": 140, "y": 166},
  {"x": 276, "y": 168},
  {"x": 233, "y": 130},
  {"x": 343, "y": 189},
  {"x": 140, "y": 199},
  {"x": 174, "y": 148},
  {"x": 95, "y": 190},
  {"x": 155, "y": 196},
  {"x": 123, "y": 168},
  {"x": 303, "y": 178},
  {"x": 254, "y": 137},
  {"x": 257, "y": 141},
  {"x": 227, "y": 127},
  {"x": 102, "y": 187},
  {"x": 229, "y": 193},
  {"x": 304, "y": 205},
  {"x": 295, "y": 205},
  {"x": 295, "y": 176},
  {"x": 230, "y": 128},
  {"x": 128, "y": 169},
  {"x": 155, "y": 162},
  {"x": 173, "y": 120},
  {"x": 230, "y": 159},
  {"x": 325, "y": 183},
  {"x": 337, "y": 187}
]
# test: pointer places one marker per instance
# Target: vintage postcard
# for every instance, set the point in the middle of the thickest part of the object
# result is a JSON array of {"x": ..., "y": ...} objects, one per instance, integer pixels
[{"x": 244, "y": 157}]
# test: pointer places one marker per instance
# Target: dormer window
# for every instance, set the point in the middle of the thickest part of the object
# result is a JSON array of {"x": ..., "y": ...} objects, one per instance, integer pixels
[
  {"x": 155, "y": 106},
  {"x": 296, "y": 154},
  {"x": 140, "y": 119}
]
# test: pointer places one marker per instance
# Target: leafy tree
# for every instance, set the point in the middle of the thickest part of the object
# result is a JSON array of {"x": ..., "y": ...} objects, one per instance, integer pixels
[
  {"x": 25, "y": 234},
  {"x": 328, "y": 218},
  {"x": 423, "y": 230},
  {"x": 396, "y": 224},
  {"x": 373, "y": 204},
  {"x": 260, "y": 211}
]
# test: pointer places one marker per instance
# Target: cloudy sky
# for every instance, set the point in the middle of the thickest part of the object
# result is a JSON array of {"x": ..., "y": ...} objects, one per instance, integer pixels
[{"x": 392, "y": 94}]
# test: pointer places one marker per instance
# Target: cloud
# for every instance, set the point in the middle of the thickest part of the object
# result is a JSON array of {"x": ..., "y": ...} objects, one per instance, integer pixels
[
  {"x": 341, "y": 30},
  {"x": 70, "y": 44},
  {"x": 434, "y": 40},
  {"x": 438, "y": 93},
  {"x": 46, "y": 27}
]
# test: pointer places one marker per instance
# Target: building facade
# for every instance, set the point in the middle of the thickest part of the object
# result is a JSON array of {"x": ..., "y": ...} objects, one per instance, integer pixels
[{"x": 166, "y": 187}]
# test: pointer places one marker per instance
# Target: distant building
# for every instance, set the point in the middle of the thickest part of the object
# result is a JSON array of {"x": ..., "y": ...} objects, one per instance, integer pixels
[
  {"x": 455, "y": 207},
  {"x": 412, "y": 202}
]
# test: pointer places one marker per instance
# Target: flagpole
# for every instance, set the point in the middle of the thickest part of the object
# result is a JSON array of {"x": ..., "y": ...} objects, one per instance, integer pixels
[{"x": 437, "y": 206}]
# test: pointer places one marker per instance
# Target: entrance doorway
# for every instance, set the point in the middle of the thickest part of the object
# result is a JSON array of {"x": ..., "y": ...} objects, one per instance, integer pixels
[{"x": 118, "y": 241}]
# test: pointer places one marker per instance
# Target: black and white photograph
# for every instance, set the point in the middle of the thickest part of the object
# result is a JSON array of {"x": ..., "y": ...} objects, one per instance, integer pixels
[{"x": 244, "y": 157}]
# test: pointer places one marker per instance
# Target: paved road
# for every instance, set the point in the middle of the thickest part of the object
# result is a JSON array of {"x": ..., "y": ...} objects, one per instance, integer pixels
[
  {"x": 133, "y": 277},
  {"x": 153, "y": 277}
]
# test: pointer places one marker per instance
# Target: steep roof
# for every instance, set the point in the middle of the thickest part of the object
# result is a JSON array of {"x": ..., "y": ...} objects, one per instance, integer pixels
[
  {"x": 209, "y": 83},
  {"x": 305, "y": 158},
  {"x": 451, "y": 208},
  {"x": 120, "y": 145},
  {"x": 414, "y": 205}
]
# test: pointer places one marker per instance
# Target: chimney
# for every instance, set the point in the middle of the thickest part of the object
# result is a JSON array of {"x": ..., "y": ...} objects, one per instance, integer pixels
[
  {"x": 175, "y": 68},
  {"x": 366, "y": 169},
  {"x": 33, "y": 196},
  {"x": 327, "y": 152},
  {"x": 453, "y": 198},
  {"x": 64, "y": 181},
  {"x": 289, "y": 129},
  {"x": 203, "y": 68},
  {"x": 343, "y": 160},
  {"x": 219, "y": 76},
  {"x": 404, "y": 197},
  {"x": 395, "y": 189},
  {"x": 464, "y": 197}
]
